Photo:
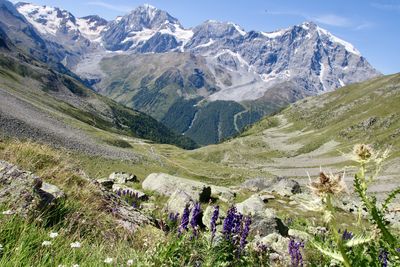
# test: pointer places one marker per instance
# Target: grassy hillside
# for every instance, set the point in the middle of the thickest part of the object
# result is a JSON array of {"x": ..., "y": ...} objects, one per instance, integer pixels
[{"x": 54, "y": 92}]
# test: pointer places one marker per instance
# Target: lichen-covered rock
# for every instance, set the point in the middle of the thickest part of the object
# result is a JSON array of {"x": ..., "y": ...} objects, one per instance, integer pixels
[
  {"x": 208, "y": 213},
  {"x": 279, "y": 246},
  {"x": 178, "y": 201},
  {"x": 280, "y": 185},
  {"x": 267, "y": 222},
  {"x": 251, "y": 205},
  {"x": 122, "y": 177},
  {"x": 166, "y": 185},
  {"x": 25, "y": 192}
]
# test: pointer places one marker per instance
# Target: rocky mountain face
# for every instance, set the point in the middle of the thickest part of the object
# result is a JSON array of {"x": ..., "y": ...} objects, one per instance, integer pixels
[{"x": 206, "y": 82}]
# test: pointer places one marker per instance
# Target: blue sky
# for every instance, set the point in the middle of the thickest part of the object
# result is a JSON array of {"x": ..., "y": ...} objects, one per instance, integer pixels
[{"x": 372, "y": 26}]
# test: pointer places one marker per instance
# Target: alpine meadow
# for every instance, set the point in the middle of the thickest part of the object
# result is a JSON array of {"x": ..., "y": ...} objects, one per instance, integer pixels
[{"x": 129, "y": 137}]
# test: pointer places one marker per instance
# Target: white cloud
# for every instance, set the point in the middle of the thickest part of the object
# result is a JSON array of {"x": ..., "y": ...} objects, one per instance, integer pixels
[
  {"x": 333, "y": 20},
  {"x": 111, "y": 6}
]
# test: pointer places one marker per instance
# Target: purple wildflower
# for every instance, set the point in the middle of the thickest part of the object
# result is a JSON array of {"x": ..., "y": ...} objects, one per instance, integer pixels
[
  {"x": 185, "y": 220},
  {"x": 383, "y": 257},
  {"x": 229, "y": 222},
  {"x": 245, "y": 233},
  {"x": 196, "y": 216},
  {"x": 173, "y": 217},
  {"x": 347, "y": 235},
  {"x": 213, "y": 223},
  {"x": 398, "y": 250},
  {"x": 295, "y": 253}
]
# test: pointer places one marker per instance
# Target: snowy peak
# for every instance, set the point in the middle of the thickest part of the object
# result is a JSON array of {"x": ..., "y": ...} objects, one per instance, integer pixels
[
  {"x": 91, "y": 26},
  {"x": 146, "y": 29},
  {"x": 332, "y": 38},
  {"x": 48, "y": 20},
  {"x": 147, "y": 17}
]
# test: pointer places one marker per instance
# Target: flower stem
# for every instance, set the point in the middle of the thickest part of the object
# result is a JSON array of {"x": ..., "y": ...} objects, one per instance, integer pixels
[{"x": 334, "y": 229}]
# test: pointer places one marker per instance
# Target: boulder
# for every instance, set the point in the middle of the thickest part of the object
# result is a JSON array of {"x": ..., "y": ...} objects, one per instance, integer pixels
[
  {"x": 266, "y": 197},
  {"x": 283, "y": 186},
  {"x": 279, "y": 246},
  {"x": 251, "y": 205},
  {"x": 122, "y": 177},
  {"x": 166, "y": 185},
  {"x": 178, "y": 201},
  {"x": 297, "y": 234},
  {"x": 280, "y": 185},
  {"x": 207, "y": 215},
  {"x": 266, "y": 222},
  {"x": 25, "y": 192},
  {"x": 106, "y": 182}
]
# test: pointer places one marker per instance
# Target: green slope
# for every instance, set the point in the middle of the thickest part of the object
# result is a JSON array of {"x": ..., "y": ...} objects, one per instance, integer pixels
[{"x": 34, "y": 82}]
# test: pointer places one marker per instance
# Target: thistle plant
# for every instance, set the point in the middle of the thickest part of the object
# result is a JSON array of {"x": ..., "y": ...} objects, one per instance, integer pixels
[{"x": 380, "y": 244}]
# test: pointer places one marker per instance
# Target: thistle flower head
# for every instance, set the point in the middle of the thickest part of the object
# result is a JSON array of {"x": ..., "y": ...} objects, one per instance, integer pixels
[
  {"x": 363, "y": 152},
  {"x": 328, "y": 184}
]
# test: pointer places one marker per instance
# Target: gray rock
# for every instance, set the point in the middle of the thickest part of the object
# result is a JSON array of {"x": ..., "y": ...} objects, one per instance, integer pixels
[
  {"x": 26, "y": 193},
  {"x": 178, "y": 201},
  {"x": 299, "y": 234},
  {"x": 207, "y": 214},
  {"x": 277, "y": 244},
  {"x": 266, "y": 222},
  {"x": 283, "y": 186},
  {"x": 166, "y": 185},
  {"x": 106, "y": 182},
  {"x": 251, "y": 206},
  {"x": 121, "y": 177},
  {"x": 266, "y": 197},
  {"x": 280, "y": 185}
]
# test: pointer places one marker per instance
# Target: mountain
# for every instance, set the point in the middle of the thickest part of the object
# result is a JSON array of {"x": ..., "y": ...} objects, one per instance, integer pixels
[
  {"x": 320, "y": 131},
  {"x": 42, "y": 103},
  {"x": 206, "y": 82}
]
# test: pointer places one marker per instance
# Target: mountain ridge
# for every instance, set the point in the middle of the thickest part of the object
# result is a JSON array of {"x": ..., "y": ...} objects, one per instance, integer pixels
[{"x": 259, "y": 72}]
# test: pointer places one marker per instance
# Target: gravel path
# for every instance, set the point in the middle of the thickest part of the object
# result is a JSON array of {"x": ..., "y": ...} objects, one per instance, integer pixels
[{"x": 19, "y": 118}]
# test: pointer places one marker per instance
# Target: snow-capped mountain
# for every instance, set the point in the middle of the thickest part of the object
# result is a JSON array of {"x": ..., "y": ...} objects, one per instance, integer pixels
[
  {"x": 213, "y": 68},
  {"x": 77, "y": 35},
  {"x": 146, "y": 29}
]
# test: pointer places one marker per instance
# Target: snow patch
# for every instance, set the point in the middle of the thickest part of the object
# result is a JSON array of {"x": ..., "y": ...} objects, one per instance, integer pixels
[
  {"x": 348, "y": 46},
  {"x": 210, "y": 42},
  {"x": 237, "y": 27},
  {"x": 89, "y": 30}
]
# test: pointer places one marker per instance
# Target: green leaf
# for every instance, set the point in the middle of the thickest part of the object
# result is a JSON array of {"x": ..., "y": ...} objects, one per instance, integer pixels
[
  {"x": 358, "y": 240},
  {"x": 328, "y": 252}
]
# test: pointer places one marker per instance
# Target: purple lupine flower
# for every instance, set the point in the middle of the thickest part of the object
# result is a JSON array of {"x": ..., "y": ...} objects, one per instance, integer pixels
[
  {"x": 229, "y": 222},
  {"x": 398, "y": 250},
  {"x": 196, "y": 215},
  {"x": 185, "y": 220},
  {"x": 347, "y": 235},
  {"x": 213, "y": 223},
  {"x": 119, "y": 192},
  {"x": 245, "y": 233},
  {"x": 383, "y": 257},
  {"x": 173, "y": 217},
  {"x": 295, "y": 253}
]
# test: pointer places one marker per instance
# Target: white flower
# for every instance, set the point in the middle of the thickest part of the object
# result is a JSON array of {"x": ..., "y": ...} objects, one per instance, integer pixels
[
  {"x": 8, "y": 212},
  {"x": 1, "y": 247},
  {"x": 46, "y": 243},
  {"x": 75, "y": 265},
  {"x": 75, "y": 244},
  {"x": 53, "y": 235},
  {"x": 108, "y": 260},
  {"x": 129, "y": 263}
]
